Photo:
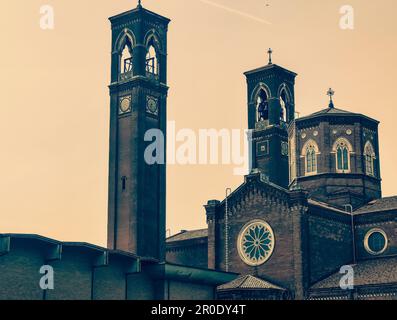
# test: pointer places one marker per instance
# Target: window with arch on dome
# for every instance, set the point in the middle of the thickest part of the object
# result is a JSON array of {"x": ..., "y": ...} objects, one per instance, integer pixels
[
  {"x": 310, "y": 152},
  {"x": 369, "y": 155},
  {"x": 343, "y": 150}
]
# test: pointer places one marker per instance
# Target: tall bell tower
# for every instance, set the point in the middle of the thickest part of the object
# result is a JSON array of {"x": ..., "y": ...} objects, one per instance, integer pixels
[
  {"x": 138, "y": 103},
  {"x": 271, "y": 108}
]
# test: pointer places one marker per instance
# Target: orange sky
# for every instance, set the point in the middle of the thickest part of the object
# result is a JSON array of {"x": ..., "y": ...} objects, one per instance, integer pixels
[{"x": 54, "y": 110}]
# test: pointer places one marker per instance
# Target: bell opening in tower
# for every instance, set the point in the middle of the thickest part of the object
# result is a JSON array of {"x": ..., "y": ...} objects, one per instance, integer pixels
[
  {"x": 262, "y": 107},
  {"x": 283, "y": 109},
  {"x": 152, "y": 64},
  {"x": 126, "y": 65}
]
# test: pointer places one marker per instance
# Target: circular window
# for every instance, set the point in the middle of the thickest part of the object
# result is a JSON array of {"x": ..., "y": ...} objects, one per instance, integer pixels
[
  {"x": 376, "y": 241},
  {"x": 256, "y": 243}
]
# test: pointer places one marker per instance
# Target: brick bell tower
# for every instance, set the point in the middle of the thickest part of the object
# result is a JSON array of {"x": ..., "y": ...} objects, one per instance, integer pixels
[
  {"x": 271, "y": 108},
  {"x": 138, "y": 103}
]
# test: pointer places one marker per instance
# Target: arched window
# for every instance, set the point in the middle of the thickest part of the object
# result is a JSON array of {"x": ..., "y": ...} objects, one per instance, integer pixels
[
  {"x": 151, "y": 60},
  {"x": 262, "y": 106},
  {"x": 310, "y": 152},
  {"x": 126, "y": 57},
  {"x": 342, "y": 148},
  {"x": 283, "y": 103},
  {"x": 311, "y": 160},
  {"x": 369, "y": 155}
]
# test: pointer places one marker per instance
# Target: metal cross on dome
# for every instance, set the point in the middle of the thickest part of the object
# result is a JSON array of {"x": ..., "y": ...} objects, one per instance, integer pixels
[{"x": 331, "y": 93}]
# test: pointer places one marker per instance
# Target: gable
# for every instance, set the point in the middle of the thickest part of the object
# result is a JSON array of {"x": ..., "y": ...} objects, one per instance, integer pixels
[{"x": 277, "y": 215}]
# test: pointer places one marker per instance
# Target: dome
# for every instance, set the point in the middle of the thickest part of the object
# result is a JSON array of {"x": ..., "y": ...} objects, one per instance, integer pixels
[{"x": 335, "y": 157}]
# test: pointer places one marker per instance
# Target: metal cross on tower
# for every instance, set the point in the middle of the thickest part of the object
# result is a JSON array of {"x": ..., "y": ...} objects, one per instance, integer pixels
[{"x": 270, "y": 52}]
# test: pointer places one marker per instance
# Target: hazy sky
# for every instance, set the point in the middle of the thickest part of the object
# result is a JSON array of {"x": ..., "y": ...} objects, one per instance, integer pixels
[{"x": 54, "y": 109}]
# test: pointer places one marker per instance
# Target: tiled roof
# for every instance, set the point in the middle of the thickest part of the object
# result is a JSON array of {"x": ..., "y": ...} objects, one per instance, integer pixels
[
  {"x": 326, "y": 205},
  {"x": 248, "y": 282},
  {"x": 189, "y": 235},
  {"x": 383, "y": 204},
  {"x": 334, "y": 112},
  {"x": 371, "y": 272},
  {"x": 269, "y": 67},
  {"x": 331, "y": 111}
]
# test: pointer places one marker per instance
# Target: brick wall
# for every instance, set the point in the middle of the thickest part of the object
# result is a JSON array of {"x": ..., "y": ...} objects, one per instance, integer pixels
[
  {"x": 85, "y": 272},
  {"x": 19, "y": 272},
  {"x": 189, "y": 253},
  {"x": 190, "y": 291},
  {"x": 330, "y": 246},
  {"x": 389, "y": 227},
  {"x": 82, "y": 273}
]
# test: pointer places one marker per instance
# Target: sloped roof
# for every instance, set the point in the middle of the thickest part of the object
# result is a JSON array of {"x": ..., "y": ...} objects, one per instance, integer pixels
[
  {"x": 370, "y": 272},
  {"x": 248, "y": 282},
  {"x": 269, "y": 67},
  {"x": 189, "y": 235},
  {"x": 327, "y": 206},
  {"x": 29, "y": 238},
  {"x": 263, "y": 181},
  {"x": 140, "y": 9},
  {"x": 334, "y": 112},
  {"x": 331, "y": 111},
  {"x": 384, "y": 204}
]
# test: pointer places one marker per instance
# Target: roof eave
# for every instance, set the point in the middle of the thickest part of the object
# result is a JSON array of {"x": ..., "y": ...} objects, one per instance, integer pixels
[
  {"x": 326, "y": 115},
  {"x": 268, "y": 67}
]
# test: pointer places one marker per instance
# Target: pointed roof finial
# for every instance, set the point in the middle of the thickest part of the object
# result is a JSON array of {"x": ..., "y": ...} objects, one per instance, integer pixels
[
  {"x": 269, "y": 52},
  {"x": 331, "y": 93},
  {"x": 139, "y": 3}
]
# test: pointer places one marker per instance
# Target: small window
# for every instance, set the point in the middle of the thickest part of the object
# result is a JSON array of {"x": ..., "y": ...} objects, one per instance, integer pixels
[
  {"x": 262, "y": 148},
  {"x": 123, "y": 183},
  {"x": 376, "y": 242}
]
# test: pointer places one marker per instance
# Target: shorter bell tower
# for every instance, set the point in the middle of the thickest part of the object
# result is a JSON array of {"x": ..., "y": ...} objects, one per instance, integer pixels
[{"x": 271, "y": 108}]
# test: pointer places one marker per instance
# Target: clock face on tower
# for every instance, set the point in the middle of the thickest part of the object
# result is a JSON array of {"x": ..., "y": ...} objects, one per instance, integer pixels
[
  {"x": 256, "y": 243},
  {"x": 152, "y": 105},
  {"x": 125, "y": 105}
]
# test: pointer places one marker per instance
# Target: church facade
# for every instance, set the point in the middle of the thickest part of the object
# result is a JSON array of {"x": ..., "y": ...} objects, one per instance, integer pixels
[{"x": 307, "y": 222}]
